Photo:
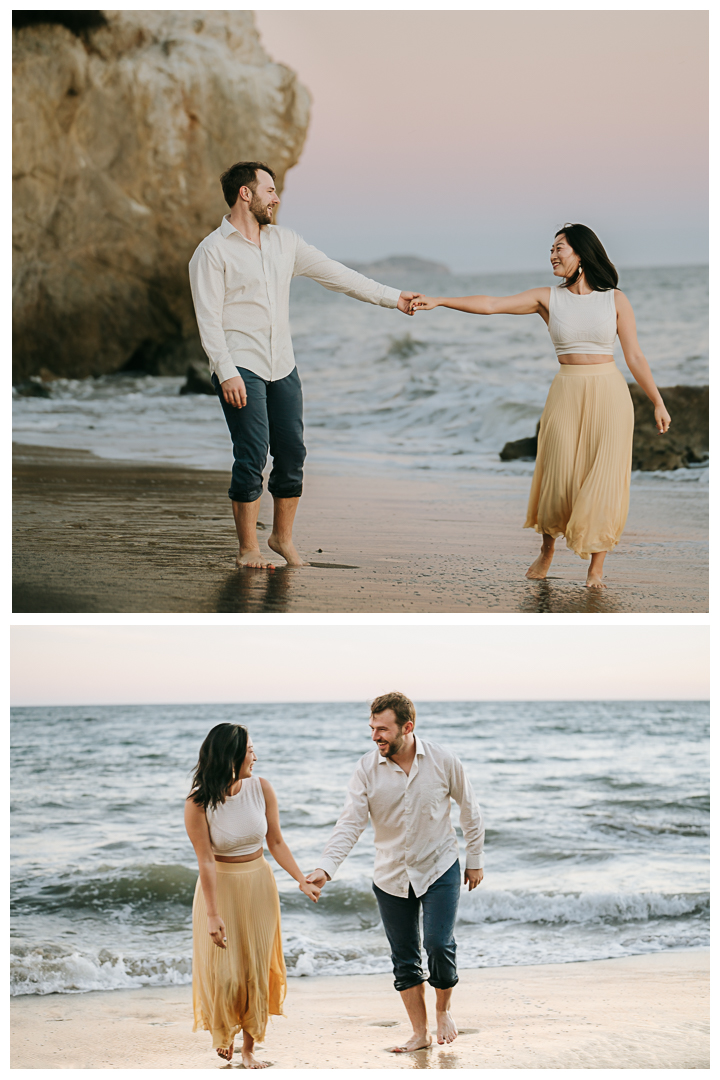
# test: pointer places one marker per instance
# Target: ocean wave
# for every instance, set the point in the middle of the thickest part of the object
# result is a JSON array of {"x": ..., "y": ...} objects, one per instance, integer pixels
[
  {"x": 581, "y": 908},
  {"x": 135, "y": 886},
  {"x": 49, "y": 971}
]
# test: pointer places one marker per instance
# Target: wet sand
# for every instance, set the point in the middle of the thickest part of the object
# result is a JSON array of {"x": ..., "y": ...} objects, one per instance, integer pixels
[
  {"x": 638, "y": 1012},
  {"x": 95, "y": 535}
]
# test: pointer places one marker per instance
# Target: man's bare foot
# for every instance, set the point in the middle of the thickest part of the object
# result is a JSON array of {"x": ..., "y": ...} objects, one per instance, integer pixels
[
  {"x": 446, "y": 1029},
  {"x": 417, "y": 1042},
  {"x": 538, "y": 570},
  {"x": 253, "y": 559},
  {"x": 595, "y": 582},
  {"x": 251, "y": 1062},
  {"x": 287, "y": 549},
  {"x": 226, "y": 1052}
]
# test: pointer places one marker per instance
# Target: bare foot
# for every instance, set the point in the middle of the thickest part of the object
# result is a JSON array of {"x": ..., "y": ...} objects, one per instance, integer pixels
[
  {"x": 226, "y": 1052},
  {"x": 594, "y": 582},
  {"x": 538, "y": 570},
  {"x": 251, "y": 1062},
  {"x": 254, "y": 559},
  {"x": 417, "y": 1042},
  {"x": 287, "y": 549},
  {"x": 446, "y": 1029}
]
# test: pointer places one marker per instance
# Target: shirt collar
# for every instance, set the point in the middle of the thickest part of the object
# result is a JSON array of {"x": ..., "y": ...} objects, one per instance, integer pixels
[
  {"x": 419, "y": 749},
  {"x": 227, "y": 229}
]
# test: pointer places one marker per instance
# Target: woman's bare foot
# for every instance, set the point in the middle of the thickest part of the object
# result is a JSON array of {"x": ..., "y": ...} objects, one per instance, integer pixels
[
  {"x": 226, "y": 1052},
  {"x": 595, "y": 573},
  {"x": 446, "y": 1029},
  {"x": 416, "y": 1042},
  {"x": 251, "y": 1062},
  {"x": 287, "y": 549},
  {"x": 253, "y": 559},
  {"x": 538, "y": 570},
  {"x": 248, "y": 1057}
]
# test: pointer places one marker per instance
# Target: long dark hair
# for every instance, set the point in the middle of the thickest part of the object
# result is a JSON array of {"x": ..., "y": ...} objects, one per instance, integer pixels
[
  {"x": 600, "y": 273},
  {"x": 219, "y": 762}
]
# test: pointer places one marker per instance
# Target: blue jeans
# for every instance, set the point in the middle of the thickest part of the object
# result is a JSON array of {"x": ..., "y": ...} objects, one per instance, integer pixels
[
  {"x": 401, "y": 920},
  {"x": 271, "y": 420}
]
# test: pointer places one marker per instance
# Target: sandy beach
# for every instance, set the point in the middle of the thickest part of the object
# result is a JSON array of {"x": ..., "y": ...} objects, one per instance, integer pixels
[
  {"x": 638, "y": 1012},
  {"x": 96, "y": 535}
]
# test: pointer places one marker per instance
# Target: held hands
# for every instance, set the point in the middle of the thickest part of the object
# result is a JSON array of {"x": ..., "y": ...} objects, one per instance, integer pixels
[
  {"x": 310, "y": 890},
  {"x": 473, "y": 878},
  {"x": 662, "y": 419},
  {"x": 234, "y": 392},
  {"x": 406, "y": 301},
  {"x": 424, "y": 303},
  {"x": 317, "y": 877},
  {"x": 216, "y": 930}
]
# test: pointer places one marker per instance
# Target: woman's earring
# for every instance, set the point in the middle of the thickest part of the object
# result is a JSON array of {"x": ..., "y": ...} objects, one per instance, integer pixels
[{"x": 579, "y": 269}]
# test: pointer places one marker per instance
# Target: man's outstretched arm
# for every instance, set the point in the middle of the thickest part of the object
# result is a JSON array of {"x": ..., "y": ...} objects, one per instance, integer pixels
[
  {"x": 347, "y": 832},
  {"x": 333, "y": 275}
]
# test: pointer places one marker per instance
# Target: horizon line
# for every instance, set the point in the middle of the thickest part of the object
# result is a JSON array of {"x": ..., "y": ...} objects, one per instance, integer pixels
[
  {"x": 347, "y": 701},
  {"x": 525, "y": 269}
]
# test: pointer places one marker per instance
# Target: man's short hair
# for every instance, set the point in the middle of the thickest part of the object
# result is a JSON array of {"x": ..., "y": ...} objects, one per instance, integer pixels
[
  {"x": 242, "y": 174},
  {"x": 402, "y": 707}
]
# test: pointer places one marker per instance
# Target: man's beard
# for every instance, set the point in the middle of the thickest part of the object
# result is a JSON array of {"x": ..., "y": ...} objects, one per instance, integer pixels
[
  {"x": 395, "y": 746},
  {"x": 263, "y": 214}
]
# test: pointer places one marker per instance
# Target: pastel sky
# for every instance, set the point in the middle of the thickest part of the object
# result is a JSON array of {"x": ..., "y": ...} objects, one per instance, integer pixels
[
  {"x": 470, "y": 136},
  {"x": 96, "y": 665}
]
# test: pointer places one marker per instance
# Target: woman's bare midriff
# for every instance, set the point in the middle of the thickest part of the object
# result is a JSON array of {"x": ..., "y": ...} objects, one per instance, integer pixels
[
  {"x": 239, "y": 858},
  {"x": 585, "y": 358}
]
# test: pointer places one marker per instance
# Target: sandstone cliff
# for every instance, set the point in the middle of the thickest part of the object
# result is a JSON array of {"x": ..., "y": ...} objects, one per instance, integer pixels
[{"x": 121, "y": 130}]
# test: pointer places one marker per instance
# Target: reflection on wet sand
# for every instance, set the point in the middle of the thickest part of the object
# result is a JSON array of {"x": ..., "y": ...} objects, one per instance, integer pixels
[
  {"x": 92, "y": 535},
  {"x": 250, "y": 590},
  {"x": 548, "y": 596}
]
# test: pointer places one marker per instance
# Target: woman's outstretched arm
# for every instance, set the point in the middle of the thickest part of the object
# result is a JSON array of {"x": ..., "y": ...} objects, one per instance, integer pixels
[
  {"x": 531, "y": 302},
  {"x": 197, "y": 829},
  {"x": 277, "y": 847},
  {"x": 635, "y": 359}
]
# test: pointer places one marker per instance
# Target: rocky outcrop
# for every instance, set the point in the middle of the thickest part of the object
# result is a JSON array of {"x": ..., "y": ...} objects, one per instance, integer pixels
[
  {"x": 198, "y": 379},
  {"x": 685, "y": 445},
  {"x": 521, "y": 449},
  {"x": 687, "y": 442},
  {"x": 122, "y": 126}
]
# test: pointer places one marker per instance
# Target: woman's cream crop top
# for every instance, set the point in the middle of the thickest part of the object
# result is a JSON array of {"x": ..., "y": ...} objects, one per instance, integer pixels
[
  {"x": 582, "y": 324},
  {"x": 238, "y": 826}
]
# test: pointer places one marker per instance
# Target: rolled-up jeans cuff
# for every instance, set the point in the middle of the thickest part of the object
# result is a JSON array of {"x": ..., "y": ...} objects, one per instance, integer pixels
[{"x": 245, "y": 496}]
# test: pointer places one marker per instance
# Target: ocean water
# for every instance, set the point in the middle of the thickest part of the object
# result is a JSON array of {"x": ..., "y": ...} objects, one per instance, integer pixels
[
  {"x": 441, "y": 391},
  {"x": 596, "y": 817}
]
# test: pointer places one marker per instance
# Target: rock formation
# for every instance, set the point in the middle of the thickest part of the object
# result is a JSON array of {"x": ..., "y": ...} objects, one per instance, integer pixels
[
  {"x": 123, "y": 122},
  {"x": 685, "y": 444}
]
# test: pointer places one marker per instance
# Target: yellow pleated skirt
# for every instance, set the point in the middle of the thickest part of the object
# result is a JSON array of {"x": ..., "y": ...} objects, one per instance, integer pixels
[
  {"x": 239, "y": 987},
  {"x": 581, "y": 486}
]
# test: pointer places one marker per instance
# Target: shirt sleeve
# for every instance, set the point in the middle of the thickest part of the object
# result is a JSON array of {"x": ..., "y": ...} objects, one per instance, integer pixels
[
  {"x": 207, "y": 283},
  {"x": 309, "y": 262},
  {"x": 471, "y": 819},
  {"x": 350, "y": 824}
]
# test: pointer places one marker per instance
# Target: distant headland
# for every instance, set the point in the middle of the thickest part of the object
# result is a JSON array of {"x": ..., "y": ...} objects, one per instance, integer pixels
[{"x": 398, "y": 264}]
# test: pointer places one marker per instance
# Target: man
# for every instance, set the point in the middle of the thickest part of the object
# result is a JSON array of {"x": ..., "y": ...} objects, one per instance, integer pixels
[
  {"x": 240, "y": 278},
  {"x": 405, "y": 786}
]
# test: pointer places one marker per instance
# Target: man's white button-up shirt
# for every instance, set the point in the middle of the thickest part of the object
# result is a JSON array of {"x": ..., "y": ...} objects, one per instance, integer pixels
[
  {"x": 415, "y": 841},
  {"x": 241, "y": 293}
]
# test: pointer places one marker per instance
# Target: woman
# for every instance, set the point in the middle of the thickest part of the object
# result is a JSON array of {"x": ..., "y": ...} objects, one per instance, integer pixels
[
  {"x": 581, "y": 485},
  {"x": 238, "y": 967}
]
